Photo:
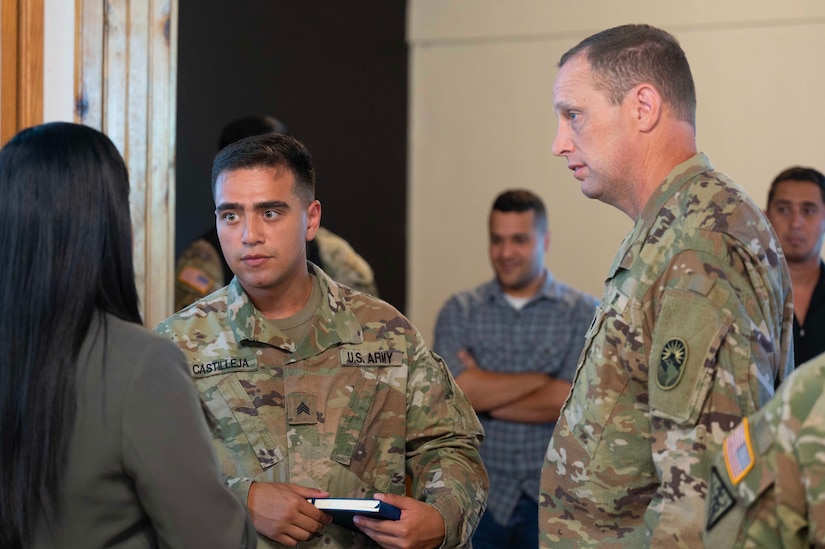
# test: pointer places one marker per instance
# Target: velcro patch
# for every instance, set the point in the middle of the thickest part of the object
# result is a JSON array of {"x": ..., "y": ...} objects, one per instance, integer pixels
[
  {"x": 301, "y": 409},
  {"x": 739, "y": 452},
  {"x": 720, "y": 500},
  {"x": 223, "y": 366},
  {"x": 362, "y": 357},
  {"x": 196, "y": 278}
]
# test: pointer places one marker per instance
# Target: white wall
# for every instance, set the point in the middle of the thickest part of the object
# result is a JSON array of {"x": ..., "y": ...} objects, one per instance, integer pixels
[
  {"x": 58, "y": 60},
  {"x": 481, "y": 120}
]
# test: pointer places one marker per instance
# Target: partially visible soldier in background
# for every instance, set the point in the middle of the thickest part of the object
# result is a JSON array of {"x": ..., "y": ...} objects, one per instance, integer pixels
[
  {"x": 767, "y": 488},
  {"x": 201, "y": 268}
]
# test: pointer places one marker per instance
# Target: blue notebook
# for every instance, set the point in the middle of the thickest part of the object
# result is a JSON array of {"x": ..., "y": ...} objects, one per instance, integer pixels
[{"x": 343, "y": 509}]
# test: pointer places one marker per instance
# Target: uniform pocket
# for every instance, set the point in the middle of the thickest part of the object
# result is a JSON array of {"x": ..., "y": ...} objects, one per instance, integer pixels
[
  {"x": 247, "y": 444},
  {"x": 591, "y": 404},
  {"x": 370, "y": 441},
  {"x": 690, "y": 330}
]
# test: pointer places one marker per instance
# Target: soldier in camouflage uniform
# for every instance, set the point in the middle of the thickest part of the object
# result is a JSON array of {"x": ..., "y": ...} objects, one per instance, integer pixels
[
  {"x": 767, "y": 487},
  {"x": 694, "y": 328},
  {"x": 316, "y": 389},
  {"x": 201, "y": 268}
]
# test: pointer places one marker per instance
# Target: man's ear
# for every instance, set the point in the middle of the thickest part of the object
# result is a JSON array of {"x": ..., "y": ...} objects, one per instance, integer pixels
[
  {"x": 313, "y": 219},
  {"x": 647, "y": 106}
]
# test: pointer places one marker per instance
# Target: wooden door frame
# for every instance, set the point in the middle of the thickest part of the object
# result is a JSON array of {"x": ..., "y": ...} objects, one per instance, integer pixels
[
  {"x": 125, "y": 86},
  {"x": 21, "y": 65}
]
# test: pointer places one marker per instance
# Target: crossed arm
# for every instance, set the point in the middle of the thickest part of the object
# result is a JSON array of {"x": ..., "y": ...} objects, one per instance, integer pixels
[{"x": 530, "y": 397}]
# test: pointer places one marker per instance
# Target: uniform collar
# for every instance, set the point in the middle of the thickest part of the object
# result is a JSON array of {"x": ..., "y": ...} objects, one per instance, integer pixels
[
  {"x": 675, "y": 181},
  {"x": 335, "y": 323}
]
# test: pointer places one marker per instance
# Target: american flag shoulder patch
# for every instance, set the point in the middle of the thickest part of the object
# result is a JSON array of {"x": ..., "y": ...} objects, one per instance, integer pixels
[
  {"x": 196, "y": 278},
  {"x": 739, "y": 452}
]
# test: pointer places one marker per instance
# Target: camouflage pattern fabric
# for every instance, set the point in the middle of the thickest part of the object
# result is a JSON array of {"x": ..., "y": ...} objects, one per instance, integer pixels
[
  {"x": 767, "y": 487},
  {"x": 198, "y": 273},
  {"x": 353, "y": 408},
  {"x": 199, "y": 269},
  {"x": 692, "y": 334},
  {"x": 343, "y": 264}
]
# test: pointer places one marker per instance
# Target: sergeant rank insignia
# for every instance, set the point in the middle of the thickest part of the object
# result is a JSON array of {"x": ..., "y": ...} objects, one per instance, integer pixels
[
  {"x": 671, "y": 364},
  {"x": 302, "y": 409}
]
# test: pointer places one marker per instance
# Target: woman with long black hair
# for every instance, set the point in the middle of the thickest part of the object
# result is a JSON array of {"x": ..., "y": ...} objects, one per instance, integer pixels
[{"x": 103, "y": 442}]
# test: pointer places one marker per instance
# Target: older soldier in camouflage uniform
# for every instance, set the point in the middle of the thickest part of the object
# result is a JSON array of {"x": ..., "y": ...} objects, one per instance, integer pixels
[
  {"x": 694, "y": 328},
  {"x": 767, "y": 488},
  {"x": 316, "y": 389}
]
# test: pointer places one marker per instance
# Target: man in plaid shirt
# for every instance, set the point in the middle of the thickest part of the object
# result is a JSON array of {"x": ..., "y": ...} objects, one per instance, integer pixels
[{"x": 513, "y": 344}]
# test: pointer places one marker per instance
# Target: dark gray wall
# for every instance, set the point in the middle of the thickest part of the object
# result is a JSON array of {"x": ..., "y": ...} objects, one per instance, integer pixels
[{"x": 336, "y": 74}]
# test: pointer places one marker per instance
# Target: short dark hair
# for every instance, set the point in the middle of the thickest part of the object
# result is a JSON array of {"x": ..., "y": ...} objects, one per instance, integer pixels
[
  {"x": 66, "y": 255},
  {"x": 522, "y": 200},
  {"x": 271, "y": 150},
  {"x": 628, "y": 55},
  {"x": 247, "y": 126},
  {"x": 798, "y": 173}
]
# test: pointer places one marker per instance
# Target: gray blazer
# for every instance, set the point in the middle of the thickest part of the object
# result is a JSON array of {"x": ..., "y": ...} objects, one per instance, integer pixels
[{"x": 141, "y": 471}]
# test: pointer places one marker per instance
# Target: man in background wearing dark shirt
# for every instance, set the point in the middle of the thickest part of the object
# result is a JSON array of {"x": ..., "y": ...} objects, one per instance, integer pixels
[{"x": 796, "y": 209}]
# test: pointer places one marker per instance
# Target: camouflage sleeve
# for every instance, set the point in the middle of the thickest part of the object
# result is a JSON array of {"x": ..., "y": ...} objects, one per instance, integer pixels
[
  {"x": 767, "y": 486},
  {"x": 711, "y": 361},
  {"x": 343, "y": 264},
  {"x": 442, "y": 447},
  {"x": 198, "y": 273}
]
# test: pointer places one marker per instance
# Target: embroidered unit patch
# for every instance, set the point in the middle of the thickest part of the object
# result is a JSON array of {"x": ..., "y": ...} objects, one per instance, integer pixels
[{"x": 671, "y": 364}]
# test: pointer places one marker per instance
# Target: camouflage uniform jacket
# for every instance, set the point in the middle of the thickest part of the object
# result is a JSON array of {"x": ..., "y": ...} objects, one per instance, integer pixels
[
  {"x": 693, "y": 333},
  {"x": 352, "y": 409},
  {"x": 775, "y": 459}
]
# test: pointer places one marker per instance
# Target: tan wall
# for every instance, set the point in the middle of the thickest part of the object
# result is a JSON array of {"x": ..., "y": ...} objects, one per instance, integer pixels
[{"x": 481, "y": 120}]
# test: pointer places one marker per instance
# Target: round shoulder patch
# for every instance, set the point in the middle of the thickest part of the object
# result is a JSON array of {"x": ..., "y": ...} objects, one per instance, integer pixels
[{"x": 671, "y": 364}]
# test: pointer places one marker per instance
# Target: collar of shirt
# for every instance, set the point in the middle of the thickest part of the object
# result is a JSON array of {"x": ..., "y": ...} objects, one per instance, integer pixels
[
  {"x": 549, "y": 290},
  {"x": 335, "y": 322},
  {"x": 673, "y": 183}
]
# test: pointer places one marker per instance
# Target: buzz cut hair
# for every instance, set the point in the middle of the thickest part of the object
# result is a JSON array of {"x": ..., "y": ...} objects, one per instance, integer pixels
[
  {"x": 626, "y": 56},
  {"x": 270, "y": 150}
]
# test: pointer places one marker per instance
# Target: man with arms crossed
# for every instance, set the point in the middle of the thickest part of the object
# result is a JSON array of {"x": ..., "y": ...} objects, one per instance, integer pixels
[
  {"x": 316, "y": 389},
  {"x": 513, "y": 344},
  {"x": 796, "y": 208},
  {"x": 694, "y": 328}
]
